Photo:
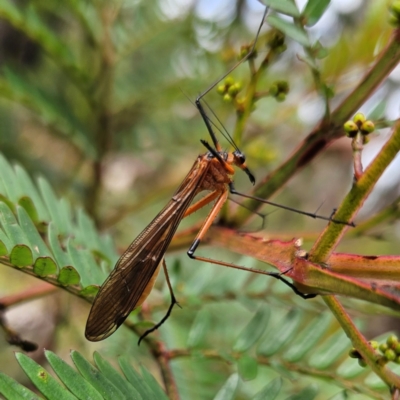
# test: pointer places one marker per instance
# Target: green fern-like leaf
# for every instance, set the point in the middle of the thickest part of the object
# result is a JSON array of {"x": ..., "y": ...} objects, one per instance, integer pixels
[
  {"x": 39, "y": 235},
  {"x": 292, "y": 343},
  {"x": 89, "y": 382},
  {"x": 102, "y": 64},
  {"x": 12, "y": 390}
]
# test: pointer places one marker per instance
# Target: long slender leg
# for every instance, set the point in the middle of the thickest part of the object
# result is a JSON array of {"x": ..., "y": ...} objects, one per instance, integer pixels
[
  {"x": 280, "y": 277},
  {"x": 206, "y": 225},
  {"x": 312, "y": 215},
  {"x": 223, "y": 195},
  {"x": 276, "y": 275},
  {"x": 171, "y": 306},
  {"x": 201, "y": 203}
]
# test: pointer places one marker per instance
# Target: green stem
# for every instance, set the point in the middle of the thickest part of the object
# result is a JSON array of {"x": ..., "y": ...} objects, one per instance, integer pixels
[
  {"x": 250, "y": 98},
  {"x": 332, "y": 234},
  {"x": 304, "y": 370},
  {"x": 326, "y": 132},
  {"x": 368, "y": 354}
]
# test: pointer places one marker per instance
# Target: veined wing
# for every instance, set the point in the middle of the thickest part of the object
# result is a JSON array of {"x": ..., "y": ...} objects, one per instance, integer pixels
[{"x": 124, "y": 287}]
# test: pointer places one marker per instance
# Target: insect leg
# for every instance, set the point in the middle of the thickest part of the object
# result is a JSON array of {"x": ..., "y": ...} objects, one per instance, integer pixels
[
  {"x": 206, "y": 225},
  {"x": 171, "y": 306},
  {"x": 201, "y": 203},
  {"x": 312, "y": 215},
  {"x": 276, "y": 275},
  {"x": 279, "y": 276}
]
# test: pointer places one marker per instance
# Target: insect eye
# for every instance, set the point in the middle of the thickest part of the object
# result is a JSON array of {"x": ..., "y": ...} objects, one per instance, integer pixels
[{"x": 240, "y": 157}]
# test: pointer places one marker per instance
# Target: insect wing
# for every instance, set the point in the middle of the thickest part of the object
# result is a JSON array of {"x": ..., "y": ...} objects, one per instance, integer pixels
[{"x": 124, "y": 287}]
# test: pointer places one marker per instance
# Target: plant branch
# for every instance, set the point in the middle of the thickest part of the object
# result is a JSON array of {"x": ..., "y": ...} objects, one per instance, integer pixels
[
  {"x": 163, "y": 359},
  {"x": 369, "y": 355},
  {"x": 352, "y": 203},
  {"x": 326, "y": 132},
  {"x": 295, "y": 367},
  {"x": 34, "y": 292}
]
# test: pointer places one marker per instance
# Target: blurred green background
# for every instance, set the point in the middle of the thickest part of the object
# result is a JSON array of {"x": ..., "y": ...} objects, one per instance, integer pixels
[{"x": 97, "y": 96}]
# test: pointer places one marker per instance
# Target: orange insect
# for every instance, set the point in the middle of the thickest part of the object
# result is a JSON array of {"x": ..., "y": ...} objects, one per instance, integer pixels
[{"x": 133, "y": 277}]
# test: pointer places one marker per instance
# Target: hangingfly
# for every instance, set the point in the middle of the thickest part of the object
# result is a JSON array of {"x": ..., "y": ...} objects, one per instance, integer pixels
[
  {"x": 133, "y": 277},
  {"x": 135, "y": 272}
]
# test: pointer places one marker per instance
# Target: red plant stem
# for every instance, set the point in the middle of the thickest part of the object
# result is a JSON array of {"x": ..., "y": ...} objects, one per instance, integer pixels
[{"x": 39, "y": 290}]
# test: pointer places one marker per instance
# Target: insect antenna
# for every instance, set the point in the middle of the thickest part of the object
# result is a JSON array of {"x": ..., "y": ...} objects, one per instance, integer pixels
[
  {"x": 221, "y": 128},
  {"x": 224, "y": 132},
  {"x": 199, "y": 98},
  {"x": 241, "y": 61}
]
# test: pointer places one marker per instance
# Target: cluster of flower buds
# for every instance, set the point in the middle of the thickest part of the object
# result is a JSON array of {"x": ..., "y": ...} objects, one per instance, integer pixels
[
  {"x": 229, "y": 89},
  {"x": 390, "y": 350},
  {"x": 358, "y": 124},
  {"x": 276, "y": 41},
  {"x": 279, "y": 90}
]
